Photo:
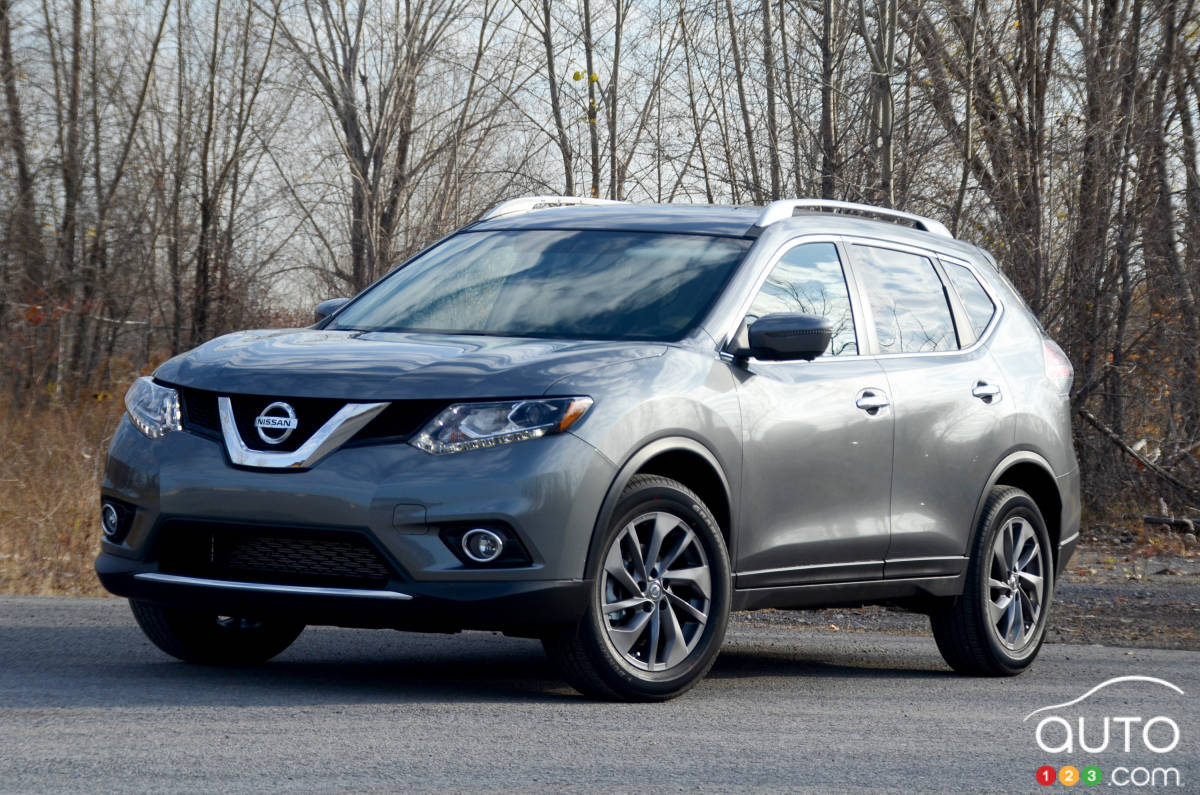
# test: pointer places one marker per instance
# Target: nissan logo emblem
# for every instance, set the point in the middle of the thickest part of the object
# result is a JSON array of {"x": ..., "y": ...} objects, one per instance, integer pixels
[{"x": 276, "y": 422}]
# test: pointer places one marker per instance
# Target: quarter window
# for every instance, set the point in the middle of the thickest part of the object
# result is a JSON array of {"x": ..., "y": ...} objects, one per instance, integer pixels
[
  {"x": 908, "y": 301},
  {"x": 808, "y": 280},
  {"x": 975, "y": 299}
]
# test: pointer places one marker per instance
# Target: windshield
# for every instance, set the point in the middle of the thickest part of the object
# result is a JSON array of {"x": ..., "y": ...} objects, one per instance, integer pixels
[{"x": 553, "y": 283}]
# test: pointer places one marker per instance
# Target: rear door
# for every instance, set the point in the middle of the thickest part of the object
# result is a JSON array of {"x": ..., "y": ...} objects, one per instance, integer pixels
[
  {"x": 952, "y": 415},
  {"x": 817, "y": 438}
]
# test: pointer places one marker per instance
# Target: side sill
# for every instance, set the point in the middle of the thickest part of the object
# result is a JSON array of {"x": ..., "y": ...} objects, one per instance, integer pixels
[
  {"x": 846, "y": 594},
  {"x": 920, "y": 568},
  {"x": 820, "y": 573}
]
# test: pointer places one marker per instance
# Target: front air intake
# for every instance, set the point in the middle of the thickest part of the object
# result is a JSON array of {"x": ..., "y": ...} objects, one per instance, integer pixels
[{"x": 280, "y": 555}]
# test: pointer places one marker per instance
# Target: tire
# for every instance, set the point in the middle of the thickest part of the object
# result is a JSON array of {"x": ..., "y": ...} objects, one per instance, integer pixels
[
  {"x": 997, "y": 626},
  {"x": 211, "y": 639},
  {"x": 668, "y": 634}
]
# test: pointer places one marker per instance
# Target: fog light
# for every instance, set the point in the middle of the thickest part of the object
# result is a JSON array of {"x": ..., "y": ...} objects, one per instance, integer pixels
[
  {"x": 482, "y": 546},
  {"x": 110, "y": 520}
]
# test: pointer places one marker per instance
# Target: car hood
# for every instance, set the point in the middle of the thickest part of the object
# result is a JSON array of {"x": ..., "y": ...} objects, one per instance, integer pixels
[{"x": 389, "y": 366}]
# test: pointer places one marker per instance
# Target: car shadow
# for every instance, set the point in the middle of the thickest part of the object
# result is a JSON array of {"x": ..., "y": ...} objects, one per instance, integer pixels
[
  {"x": 114, "y": 666},
  {"x": 799, "y": 662}
]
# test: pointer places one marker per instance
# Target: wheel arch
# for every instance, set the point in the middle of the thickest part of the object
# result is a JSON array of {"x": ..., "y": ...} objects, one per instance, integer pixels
[
  {"x": 679, "y": 458},
  {"x": 1032, "y": 474}
]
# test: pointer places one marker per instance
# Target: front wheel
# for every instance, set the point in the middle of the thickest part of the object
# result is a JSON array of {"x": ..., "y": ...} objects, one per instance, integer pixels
[
  {"x": 997, "y": 626},
  {"x": 659, "y": 600},
  {"x": 211, "y": 639}
]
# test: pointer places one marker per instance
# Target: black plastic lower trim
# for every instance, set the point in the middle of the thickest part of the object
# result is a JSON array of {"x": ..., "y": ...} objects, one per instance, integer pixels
[
  {"x": 846, "y": 594},
  {"x": 811, "y": 575},
  {"x": 912, "y": 568}
]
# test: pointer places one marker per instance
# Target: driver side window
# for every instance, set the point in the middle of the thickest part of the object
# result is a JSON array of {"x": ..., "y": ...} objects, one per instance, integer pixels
[{"x": 808, "y": 280}]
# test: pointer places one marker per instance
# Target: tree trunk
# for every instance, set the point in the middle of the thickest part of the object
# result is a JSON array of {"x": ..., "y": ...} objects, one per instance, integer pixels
[
  {"x": 591, "y": 78},
  {"x": 564, "y": 142},
  {"x": 27, "y": 238},
  {"x": 743, "y": 104},
  {"x": 772, "y": 120},
  {"x": 829, "y": 166}
]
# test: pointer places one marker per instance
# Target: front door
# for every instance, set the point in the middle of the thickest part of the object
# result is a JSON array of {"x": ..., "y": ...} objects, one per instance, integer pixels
[{"x": 817, "y": 440}]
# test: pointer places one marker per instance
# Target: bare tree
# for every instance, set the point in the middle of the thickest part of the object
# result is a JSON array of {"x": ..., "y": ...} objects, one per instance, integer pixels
[
  {"x": 881, "y": 49},
  {"x": 542, "y": 23}
]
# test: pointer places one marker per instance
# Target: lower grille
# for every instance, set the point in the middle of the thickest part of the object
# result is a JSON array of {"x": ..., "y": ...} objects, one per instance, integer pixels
[{"x": 287, "y": 556}]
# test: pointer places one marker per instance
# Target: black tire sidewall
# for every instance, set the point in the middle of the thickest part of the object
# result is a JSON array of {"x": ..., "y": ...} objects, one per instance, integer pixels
[
  {"x": 198, "y": 637},
  {"x": 619, "y": 674}
]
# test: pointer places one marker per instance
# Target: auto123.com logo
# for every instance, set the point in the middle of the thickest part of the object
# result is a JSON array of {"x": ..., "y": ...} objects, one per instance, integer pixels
[{"x": 1078, "y": 732}]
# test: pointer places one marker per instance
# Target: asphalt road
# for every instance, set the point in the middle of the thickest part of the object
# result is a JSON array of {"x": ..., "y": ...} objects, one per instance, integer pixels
[{"x": 86, "y": 704}]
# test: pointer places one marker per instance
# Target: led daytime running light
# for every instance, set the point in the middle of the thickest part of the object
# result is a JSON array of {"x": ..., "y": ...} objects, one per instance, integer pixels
[
  {"x": 153, "y": 409},
  {"x": 474, "y": 426}
]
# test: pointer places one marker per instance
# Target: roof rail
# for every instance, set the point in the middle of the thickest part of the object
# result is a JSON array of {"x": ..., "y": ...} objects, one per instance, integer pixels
[
  {"x": 527, "y": 204},
  {"x": 785, "y": 208}
]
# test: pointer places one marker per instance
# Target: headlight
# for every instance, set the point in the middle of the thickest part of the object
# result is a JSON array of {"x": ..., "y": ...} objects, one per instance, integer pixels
[
  {"x": 469, "y": 426},
  {"x": 153, "y": 409}
]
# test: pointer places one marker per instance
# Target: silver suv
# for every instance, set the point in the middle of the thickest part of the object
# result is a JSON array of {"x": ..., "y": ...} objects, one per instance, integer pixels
[{"x": 607, "y": 426}]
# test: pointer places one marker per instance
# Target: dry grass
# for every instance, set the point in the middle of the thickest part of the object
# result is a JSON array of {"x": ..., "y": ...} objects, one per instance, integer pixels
[{"x": 50, "y": 469}]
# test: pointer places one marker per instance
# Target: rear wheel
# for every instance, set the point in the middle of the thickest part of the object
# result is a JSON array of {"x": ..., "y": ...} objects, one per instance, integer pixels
[
  {"x": 659, "y": 601},
  {"x": 997, "y": 626},
  {"x": 211, "y": 639}
]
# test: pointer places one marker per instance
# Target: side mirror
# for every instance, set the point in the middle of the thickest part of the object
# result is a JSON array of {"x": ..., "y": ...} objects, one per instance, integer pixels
[
  {"x": 327, "y": 308},
  {"x": 786, "y": 337}
]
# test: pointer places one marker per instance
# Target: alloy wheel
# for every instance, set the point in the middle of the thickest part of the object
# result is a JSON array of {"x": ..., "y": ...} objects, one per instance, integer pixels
[
  {"x": 1016, "y": 583},
  {"x": 657, "y": 591}
]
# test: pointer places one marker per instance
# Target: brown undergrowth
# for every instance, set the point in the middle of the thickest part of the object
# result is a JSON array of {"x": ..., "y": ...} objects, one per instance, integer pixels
[{"x": 51, "y": 463}]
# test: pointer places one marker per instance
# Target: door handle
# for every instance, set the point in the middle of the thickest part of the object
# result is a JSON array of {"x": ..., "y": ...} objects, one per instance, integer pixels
[
  {"x": 872, "y": 400},
  {"x": 987, "y": 392}
]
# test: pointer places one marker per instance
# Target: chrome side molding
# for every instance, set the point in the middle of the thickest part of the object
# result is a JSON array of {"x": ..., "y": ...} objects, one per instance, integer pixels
[
  {"x": 259, "y": 587},
  {"x": 338, "y": 430}
]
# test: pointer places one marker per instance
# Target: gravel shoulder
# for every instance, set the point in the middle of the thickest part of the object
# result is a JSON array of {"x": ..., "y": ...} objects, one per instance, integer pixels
[{"x": 1137, "y": 592}]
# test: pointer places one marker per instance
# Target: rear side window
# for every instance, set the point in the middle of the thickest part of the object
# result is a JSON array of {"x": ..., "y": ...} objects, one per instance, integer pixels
[
  {"x": 975, "y": 299},
  {"x": 808, "y": 280},
  {"x": 908, "y": 301}
]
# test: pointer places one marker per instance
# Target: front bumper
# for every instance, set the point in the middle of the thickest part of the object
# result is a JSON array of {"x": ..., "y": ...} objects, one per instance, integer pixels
[{"x": 547, "y": 491}]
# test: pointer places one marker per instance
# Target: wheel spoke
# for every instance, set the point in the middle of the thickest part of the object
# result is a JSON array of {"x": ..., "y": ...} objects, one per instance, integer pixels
[
  {"x": 1026, "y": 538},
  {"x": 1009, "y": 551},
  {"x": 1016, "y": 624},
  {"x": 615, "y": 567},
  {"x": 994, "y": 583},
  {"x": 1000, "y": 553},
  {"x": 624, "y": 604},
  {"x": 997, "y": 608},
  {"x": 664, "y": 523},
  {"x": 1031, "y": 608},
  {"x": 630, "y": 539},
  {"x": 670, "y": 558},
  {"x": 687, "y": 607},
  {"x": 655, "y": 630},
  {"x": 676, "y": 645},
  {"x": 624, "y": 637},
  {"x": 1031, "y": 580},
  {"x": 698, "y": 576}
]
